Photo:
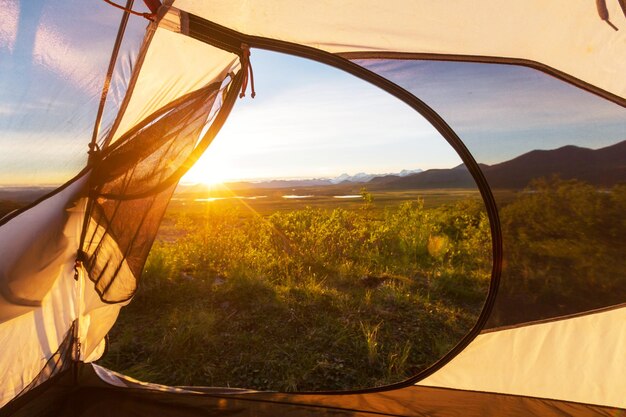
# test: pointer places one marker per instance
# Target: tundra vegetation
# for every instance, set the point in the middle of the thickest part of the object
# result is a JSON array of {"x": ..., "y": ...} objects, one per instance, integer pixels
[
  {"x": 329, "y": 294},
  {"x": 315, "y": 298}
]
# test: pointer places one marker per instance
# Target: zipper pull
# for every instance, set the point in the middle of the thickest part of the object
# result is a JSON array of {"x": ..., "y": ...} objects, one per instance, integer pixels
[{"x": 248, "y": 75}]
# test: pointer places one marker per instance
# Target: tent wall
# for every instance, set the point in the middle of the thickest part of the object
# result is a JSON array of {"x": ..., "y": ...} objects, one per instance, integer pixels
[
  {"x": 44, "y": 290},
  {"x": 578, "y": 359},
  {"x": 35, "y": 328},
  {"x": 172, "y": 65}
]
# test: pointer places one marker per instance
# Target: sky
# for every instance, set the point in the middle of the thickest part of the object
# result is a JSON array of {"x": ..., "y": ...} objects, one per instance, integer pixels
[
  {"x": 503, "y": 111},
  {"x": 307, "y": 120}
]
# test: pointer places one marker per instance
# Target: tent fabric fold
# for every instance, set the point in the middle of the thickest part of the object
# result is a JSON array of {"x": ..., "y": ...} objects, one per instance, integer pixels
[
  {"x": 559, "y": 359},
  {"x": 573, "y": 39}
]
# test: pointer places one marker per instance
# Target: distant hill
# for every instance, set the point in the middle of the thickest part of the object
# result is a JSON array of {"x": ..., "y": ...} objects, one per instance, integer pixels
[
  {"x": 364, "y": 177},
  {"x": 605, "y": 166},
  {"x": 12, "y": 198},
  {"x": 457, "y": 177},
  {"x": 315, "y": 182},
  {"x": 23, "y": 195}
]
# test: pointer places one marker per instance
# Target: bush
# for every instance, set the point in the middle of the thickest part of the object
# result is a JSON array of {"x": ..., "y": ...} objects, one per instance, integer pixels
[{"x": 309, "y": 299}]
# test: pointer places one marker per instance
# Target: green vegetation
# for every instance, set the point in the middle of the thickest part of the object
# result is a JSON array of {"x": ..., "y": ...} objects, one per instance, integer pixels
[
  {"x": 564, "y": 247},
  {"x": 360, "y": 293},
  {"x": 308, "y": 299},
  {"x": 326, "y": 293}
]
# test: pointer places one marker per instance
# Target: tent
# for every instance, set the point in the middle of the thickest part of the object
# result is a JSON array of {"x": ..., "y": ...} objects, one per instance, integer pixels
[{"x": 70, "y": 260}]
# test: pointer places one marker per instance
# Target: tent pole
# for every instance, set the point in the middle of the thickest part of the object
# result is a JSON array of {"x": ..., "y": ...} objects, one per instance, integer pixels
[{"x": 93, "y": 145}]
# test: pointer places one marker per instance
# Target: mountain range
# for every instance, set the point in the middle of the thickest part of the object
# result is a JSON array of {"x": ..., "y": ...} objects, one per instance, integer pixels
[
  {"x": 603, "y": 167},
  {"x": 345, "y": 179},
  {"x": 364, "y": 177}
]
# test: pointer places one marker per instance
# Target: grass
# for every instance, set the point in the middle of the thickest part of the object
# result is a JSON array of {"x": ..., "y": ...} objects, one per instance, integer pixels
[
  {"x": 336, "y": 294},
  {"x": 328, "y": 297}
]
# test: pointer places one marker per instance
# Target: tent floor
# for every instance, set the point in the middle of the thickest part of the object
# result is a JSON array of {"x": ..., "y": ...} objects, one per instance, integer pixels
[{"x": 82, "y": 391}]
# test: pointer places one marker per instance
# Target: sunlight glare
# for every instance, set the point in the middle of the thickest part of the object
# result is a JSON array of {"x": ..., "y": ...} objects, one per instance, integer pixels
[
  {"x": 204, "y": 176},
  {"x": 209, "y": 171}
]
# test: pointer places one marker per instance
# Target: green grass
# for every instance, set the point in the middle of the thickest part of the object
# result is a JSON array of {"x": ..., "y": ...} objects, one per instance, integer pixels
[
  {"x": 322, "y": 297},
  {"x": 328, "y": 294}
]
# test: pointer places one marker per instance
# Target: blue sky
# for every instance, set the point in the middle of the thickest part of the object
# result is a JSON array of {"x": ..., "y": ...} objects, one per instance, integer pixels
[
  {"x": 502, "y": 111},
  {"x": 311, "y": 120},
  {"x": 308, "y": 120}
]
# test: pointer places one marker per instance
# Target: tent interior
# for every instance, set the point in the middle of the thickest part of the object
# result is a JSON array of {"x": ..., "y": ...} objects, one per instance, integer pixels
[{"x": 106, "y": 109}]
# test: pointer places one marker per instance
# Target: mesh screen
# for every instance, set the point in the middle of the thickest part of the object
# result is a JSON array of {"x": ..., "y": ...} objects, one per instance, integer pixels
[
  {"x": 131, "y": 186},
  {"x": 554, "y": 156}
]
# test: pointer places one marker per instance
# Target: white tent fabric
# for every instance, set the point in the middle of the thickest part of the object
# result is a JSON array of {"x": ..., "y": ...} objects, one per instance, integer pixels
[
  {"x": 174, "y": 65},
  {"x": 578, "y": 359},
  {"x": 35, "y": 329},
  {"x": 566, "y": 35}
]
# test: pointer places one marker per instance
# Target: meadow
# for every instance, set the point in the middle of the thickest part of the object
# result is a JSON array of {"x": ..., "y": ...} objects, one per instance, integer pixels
[
  {"x": 306, "y": 294},
  {"x": 325, "y": 293}
]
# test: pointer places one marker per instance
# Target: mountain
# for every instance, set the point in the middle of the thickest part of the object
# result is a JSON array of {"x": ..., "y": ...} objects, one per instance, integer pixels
[
  {"x": 23, "y": 194},
  {"x": 12, "y": 198},
  {"x": 315, "y": 182},
  {"x": 364, "y": 177},
  {"x": 605, "y": 167},
  {"x": 406, "y": 172},
  {"x": 228, "y": 188},
  {"x": 457, "y": 177},
  {"x": 343, "y": 179}
]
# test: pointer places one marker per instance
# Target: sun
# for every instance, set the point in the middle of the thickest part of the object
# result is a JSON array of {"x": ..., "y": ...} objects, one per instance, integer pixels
[{"x": 206, "y": 171}]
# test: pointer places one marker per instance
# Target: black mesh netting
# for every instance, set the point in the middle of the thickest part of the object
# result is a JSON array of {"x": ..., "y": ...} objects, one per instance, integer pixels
[
  {"x": 554, "y": 158},
  {"x": 131, "y": 186}
]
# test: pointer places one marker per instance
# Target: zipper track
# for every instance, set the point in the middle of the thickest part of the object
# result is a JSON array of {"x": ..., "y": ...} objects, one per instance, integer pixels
[{"x": 221, "y": 37}]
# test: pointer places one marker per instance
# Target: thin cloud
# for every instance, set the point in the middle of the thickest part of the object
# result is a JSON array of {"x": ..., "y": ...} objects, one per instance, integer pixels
[
  {"x": 9, "y": 15},
  {"x": 491, "y": 98},
  {"x": 61, "y": 56}
]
